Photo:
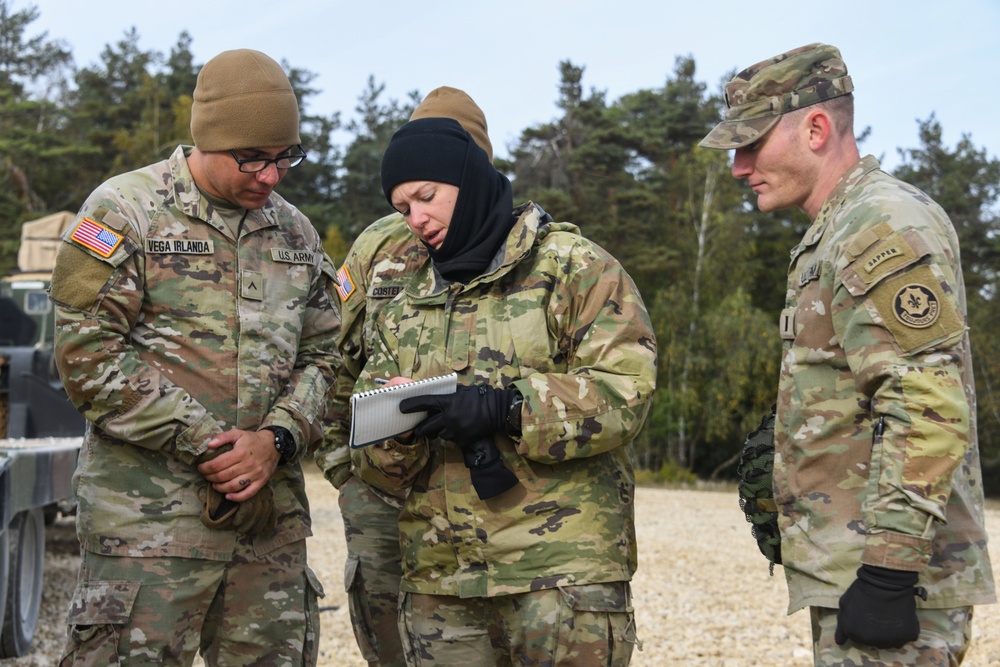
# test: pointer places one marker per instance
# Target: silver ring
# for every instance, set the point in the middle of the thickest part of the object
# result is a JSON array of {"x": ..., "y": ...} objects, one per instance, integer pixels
[{"x": 244, "y": 482}]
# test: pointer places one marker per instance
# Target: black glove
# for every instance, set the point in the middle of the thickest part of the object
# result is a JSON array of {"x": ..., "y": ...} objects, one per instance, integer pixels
[
  {"x": 465, "y": 417},
  {"x": 469, "y": 418},
  {"x": 879, "y": 610},
  {"x": 488, "y": 474}
]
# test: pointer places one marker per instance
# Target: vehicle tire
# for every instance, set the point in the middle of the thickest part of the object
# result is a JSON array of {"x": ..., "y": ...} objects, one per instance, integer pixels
[
  {"x": 24, "y": 587},
  {"x": 4, "y": 415},
  {"x": 4, "y": 572}
]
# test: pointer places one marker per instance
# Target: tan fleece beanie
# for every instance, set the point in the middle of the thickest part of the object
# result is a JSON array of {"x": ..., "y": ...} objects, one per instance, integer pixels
[
  {"x": 243, "y": 100},
  {"x": 445, "y": 102}
]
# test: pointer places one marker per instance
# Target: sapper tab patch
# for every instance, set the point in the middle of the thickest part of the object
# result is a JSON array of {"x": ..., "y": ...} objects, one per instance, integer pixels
[
  {"x": 345, "y": 284},
  {"x": 95, "y": 236}
]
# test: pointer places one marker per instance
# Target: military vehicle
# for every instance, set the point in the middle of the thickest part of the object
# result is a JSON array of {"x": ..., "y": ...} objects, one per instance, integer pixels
[{"x": 40, "y": 432}]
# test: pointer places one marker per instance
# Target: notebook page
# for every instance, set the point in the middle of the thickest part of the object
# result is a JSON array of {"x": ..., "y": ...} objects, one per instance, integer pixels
[{"x": 375, "y": 414}]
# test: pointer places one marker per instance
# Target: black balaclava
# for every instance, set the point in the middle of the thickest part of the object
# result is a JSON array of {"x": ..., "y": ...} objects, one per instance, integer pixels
[{"x": 439, "y": 149}]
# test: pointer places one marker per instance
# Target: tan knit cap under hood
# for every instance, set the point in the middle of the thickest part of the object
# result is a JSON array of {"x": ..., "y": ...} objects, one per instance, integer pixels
[
  {"x": 446, "y": 102},
  {"x": 243, "y": 100}
]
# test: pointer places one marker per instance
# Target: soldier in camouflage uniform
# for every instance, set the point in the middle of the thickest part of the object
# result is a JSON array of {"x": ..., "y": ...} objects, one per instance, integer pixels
[
  {"x": 877, "y": 476},
  {"x": 196, "y": 333},
  {"x": 380, "y": 262},
  {"x": 520, "y": 485},
  {"x": 378, "y": 265}
]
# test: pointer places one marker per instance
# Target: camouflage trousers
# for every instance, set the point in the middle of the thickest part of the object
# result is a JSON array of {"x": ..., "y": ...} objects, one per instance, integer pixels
[
  {"x": 587, "y": 626},
  {"x": 945, "y": 635},
  {"x": 258, "y": 610},
  {"x": 372, "y": 572}
]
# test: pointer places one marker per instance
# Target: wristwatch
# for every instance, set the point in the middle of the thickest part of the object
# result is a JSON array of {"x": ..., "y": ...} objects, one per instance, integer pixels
[
  {"x": 514, "y": 416},
  {"x": 283, "y": 442}
]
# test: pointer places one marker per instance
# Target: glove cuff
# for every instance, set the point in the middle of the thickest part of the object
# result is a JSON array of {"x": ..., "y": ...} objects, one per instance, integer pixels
[
  {"x": 890, "y": 580},
  {"x": 497, "y": 403}
]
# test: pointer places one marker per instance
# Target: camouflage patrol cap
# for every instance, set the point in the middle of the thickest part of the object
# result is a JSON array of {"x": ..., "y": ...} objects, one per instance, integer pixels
[{"x": 758, "y": 96}]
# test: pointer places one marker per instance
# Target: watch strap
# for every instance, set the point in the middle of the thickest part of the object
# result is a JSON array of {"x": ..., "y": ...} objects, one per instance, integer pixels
[
  {"x": 284, "y": 442},
  {"x": 513, "y": 423}
]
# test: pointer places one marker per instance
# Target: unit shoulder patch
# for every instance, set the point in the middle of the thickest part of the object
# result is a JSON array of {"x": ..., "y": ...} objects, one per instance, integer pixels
[
  {"x": 916, "y": 305},
  {"x": 916, "y": 309}
]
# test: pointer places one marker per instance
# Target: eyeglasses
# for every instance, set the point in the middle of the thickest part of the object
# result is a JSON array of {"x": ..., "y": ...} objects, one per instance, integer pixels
[{"x": 255, "y": 164}]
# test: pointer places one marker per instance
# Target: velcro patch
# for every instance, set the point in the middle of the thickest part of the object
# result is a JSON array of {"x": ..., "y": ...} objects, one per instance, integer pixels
[
  {"x": 78, "y": 278},
  {"x": 293, "y": 256},
  {"x": 880, "y": 260},
  {"x": 180, "y": 246},
  {"x": 95, "y": 236},
  {"x": 809, "y": 274},
  {"x": 345, "y": 284},
  {"x": 866, "y": 238},
  {"x": 884, "y": 257},
  {"x": 787, "y": 324},
  {"x": 252, "y": 285},
  {"x": 916, "y": 310},
  {"x": 384, "y": 291},
  {"x": 916, "y": 306}
]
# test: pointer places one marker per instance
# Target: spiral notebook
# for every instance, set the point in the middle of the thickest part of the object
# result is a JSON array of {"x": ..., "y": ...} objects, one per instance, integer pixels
[{"x": 375, "y": 414}]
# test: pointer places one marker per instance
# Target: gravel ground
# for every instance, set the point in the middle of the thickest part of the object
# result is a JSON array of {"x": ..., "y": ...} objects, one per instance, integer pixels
[{"x": 696, "y": 563}]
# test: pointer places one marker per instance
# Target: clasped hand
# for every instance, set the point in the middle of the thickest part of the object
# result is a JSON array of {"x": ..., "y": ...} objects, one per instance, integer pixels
[{"x": 240, "y": 462}]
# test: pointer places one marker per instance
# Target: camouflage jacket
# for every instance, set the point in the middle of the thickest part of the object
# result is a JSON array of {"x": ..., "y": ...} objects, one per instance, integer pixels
[
  {"x": 876, "y": 454},
  {"x": 174, "y": 331},
  {"x": 559, "y": 319},
  {"x": 381, "y": 261}
]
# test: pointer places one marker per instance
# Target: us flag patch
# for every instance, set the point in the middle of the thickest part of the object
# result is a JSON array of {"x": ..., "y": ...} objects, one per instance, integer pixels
[
  {"x": 92, "y": 234},
  {"x": 345, "y": 285}
]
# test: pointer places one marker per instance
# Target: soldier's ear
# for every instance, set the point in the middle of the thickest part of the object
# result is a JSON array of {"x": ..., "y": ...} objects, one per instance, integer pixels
[{"x": 818, "y": 127}]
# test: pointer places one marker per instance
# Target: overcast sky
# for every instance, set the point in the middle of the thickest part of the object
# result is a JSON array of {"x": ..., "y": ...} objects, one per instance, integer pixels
[{"x": 907, "y": 59}]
